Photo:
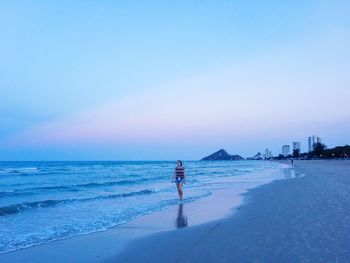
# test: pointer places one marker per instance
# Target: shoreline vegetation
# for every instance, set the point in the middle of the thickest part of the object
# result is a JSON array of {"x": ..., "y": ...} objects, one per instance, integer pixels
[{"x": 320, "y": 152}]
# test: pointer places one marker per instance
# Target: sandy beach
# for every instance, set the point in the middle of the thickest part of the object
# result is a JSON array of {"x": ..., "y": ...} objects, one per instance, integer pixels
[
  {"x": 303, "y": 219},
  {"x": 306, "y": 219}
]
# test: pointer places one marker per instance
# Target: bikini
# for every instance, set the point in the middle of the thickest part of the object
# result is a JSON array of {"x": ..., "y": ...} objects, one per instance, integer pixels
[{"x": 179, "y": 174}]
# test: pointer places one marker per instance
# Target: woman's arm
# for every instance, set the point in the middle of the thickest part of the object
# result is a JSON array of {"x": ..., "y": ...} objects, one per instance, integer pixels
[{"x": 185, "y": 177}]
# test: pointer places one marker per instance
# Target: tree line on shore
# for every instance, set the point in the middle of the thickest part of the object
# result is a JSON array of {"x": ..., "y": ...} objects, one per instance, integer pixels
[{"x": 320, "y": 152}]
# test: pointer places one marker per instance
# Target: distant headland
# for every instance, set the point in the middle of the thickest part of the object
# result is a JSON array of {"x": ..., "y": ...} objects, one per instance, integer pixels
[{"x": 222, "y": 155}]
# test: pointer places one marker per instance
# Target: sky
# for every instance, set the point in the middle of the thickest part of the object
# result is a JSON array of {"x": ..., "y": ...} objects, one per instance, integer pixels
[{"x": 166, "y": 80}]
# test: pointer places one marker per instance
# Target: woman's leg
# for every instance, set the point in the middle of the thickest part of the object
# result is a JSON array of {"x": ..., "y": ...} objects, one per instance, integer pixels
[{"x": 179, "y": 190}]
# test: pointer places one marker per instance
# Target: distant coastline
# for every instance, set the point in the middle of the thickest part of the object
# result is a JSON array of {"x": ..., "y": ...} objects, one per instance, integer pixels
[{"x": 320, "y": 152}]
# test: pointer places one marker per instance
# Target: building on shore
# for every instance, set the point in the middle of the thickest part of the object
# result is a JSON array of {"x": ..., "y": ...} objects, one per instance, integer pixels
[
  {"x": 285, "y": 150},
  {"x": 312, "y": 140},
  {"x": 296, "y": 146},
  {"x": 268, "y": 154}
]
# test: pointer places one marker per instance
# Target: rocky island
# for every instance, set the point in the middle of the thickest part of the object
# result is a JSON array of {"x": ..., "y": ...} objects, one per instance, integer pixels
[{"x": 222, "y": 155}]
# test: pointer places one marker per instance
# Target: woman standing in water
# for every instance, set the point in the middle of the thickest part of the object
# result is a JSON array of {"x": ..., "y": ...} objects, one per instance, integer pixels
[{"x": 179, "y": 178}]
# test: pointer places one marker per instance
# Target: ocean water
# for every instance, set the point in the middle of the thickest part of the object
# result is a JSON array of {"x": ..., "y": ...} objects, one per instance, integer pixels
[{"x": 45, "y": 201}]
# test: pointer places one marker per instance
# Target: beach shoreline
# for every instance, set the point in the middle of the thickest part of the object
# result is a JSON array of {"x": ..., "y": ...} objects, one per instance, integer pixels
[
  {"x": 222, "y": 203},
  {"x": 301, "y": 220},
  {"x": 304, "y": 219}
]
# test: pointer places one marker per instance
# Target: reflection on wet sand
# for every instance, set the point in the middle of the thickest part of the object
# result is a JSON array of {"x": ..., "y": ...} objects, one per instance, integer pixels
[
  {"x": 290, "y": 173},
  {"x": 181, "y": 220}
]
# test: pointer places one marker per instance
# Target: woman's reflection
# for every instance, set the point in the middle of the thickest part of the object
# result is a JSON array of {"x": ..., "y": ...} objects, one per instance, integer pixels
[
  {"x": 181, "y": 220},
  {"x": 289, "y": 173}
]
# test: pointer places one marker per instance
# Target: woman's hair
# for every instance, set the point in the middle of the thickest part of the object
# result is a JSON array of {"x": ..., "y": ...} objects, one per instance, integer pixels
[{"x": 180, "y": 162}]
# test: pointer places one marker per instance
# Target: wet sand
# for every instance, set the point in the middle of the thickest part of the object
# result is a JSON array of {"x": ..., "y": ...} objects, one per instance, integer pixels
[{"x": 305, "y": 219}]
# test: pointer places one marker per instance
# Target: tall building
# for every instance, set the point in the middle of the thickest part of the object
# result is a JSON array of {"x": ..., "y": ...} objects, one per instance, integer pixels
[
  {"x": 296, "y": 146},
  {"x": 268, "y": 153},
  {"x": 285, "y": 150},
  {"x": 312, "y": 140}
]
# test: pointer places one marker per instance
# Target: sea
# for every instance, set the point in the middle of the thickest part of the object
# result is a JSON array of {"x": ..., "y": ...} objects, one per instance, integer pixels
[{"x": 45, "y": 201}]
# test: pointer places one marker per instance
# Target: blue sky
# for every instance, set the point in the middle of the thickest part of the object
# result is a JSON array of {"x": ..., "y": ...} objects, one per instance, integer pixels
[{"x": 152, "y": 80}]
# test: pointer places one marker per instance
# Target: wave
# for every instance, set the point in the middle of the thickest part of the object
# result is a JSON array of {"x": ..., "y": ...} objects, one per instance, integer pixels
[
  {"x": 111, "y": 183},
  {"x": 22, "y": 170},
  {"x": 33, "y": 190},
  {"x": 18, "y": 208},
  {"x": 11, "y": 194},
  {"x": 28, "y": 241}
]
